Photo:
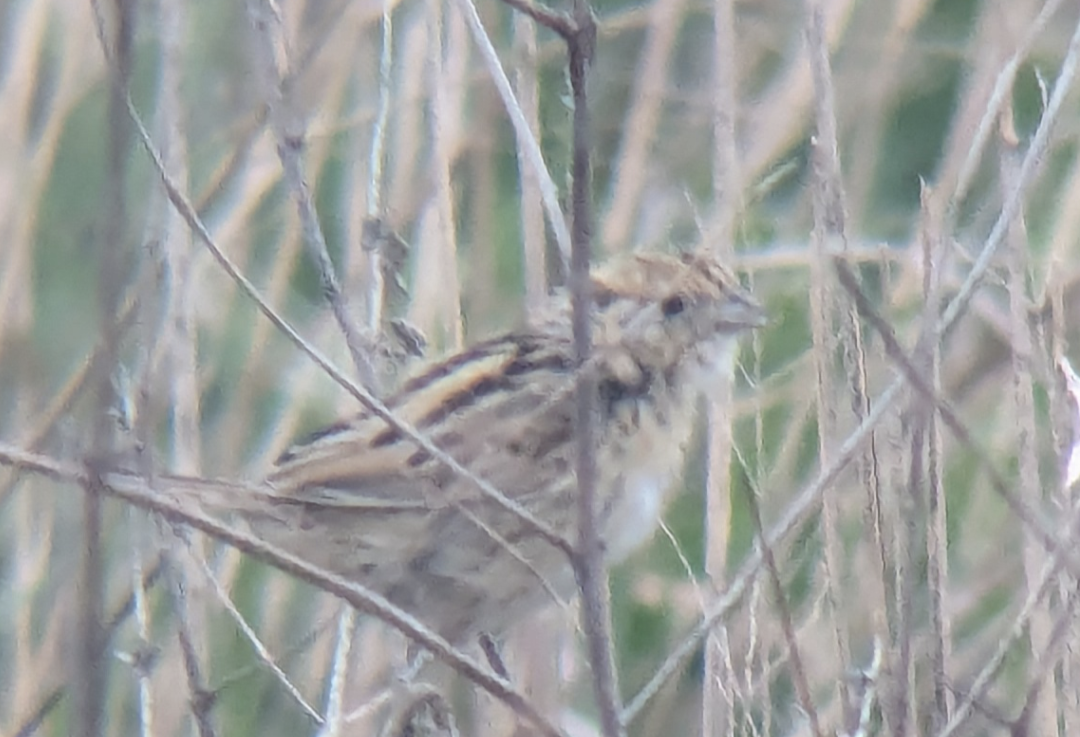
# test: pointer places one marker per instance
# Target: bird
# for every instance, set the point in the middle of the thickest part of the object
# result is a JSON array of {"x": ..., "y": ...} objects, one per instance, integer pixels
[{"x": 362, "y": 500}]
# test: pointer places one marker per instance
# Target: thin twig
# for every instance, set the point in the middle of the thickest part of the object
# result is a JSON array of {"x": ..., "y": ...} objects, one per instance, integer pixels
[
  {"x": 261, "y": 651},
  {"x": 528, "y": 148},
  {"x": 373, "y": 244},
  {"x": 560, "y": 23},
  {"x": 640, "y": 128},
  {"x": 1003, "y": 87},
  {"x": 201, "y": 698},
  {"x": 339, "y": 672},
  {"x": 289, "y": 133},
  {"x": 937, "y": 559},
  {"x": 134, "y": 491},
  {"x": 829, "y": 313},
  {"x": 440, "y": 263},
  {"x": 1047, "y": 581},
  {"x": 174, "y": 331},
  {"x": 589, "y": 560},
  {"x": 1042, "y": 707},
  {"x": 533, "y": 245},
  {"x": 912, "y": 375},
  {"x": 717, "y": 695},
  {"x": 91, "y": 664},
  {"x": 46, "y": 419},
  {"x": 808, "y": 500},
  {"x": 366, "y": 398},
  {"x": 1045, "y": 667},
  {"x": 796, "y": 513},
  {"x": 32, "y": 724},
  {"x": 802, "y": 686},
  {"x": 1033, "y": 159}
]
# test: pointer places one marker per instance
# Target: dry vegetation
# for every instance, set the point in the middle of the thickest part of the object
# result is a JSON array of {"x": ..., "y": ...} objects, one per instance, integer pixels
[{"x": 887, "y": 541}]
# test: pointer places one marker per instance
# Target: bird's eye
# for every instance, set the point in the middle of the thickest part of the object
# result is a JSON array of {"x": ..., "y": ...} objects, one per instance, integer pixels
[{"x": 672, "y": 306}]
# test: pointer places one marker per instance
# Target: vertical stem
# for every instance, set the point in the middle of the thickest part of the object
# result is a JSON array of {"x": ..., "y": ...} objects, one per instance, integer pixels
[
  {"x": 91, "y": 679},
  {"x": 527, "y": 86},
  {"x": 715, "y": 714},
  {"x": 937, "y": 552},
  {"x": 290, "y": 131},
  {"x": 829, "y": 237},
  {"x": 373, "y": 235},
  {"x": 589, "y": 559},
  {"x": 1042, "y": 707},
  {"x": 442, "y": 122}
]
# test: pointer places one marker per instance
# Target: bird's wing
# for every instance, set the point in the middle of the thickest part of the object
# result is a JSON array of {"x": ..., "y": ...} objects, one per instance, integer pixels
[{"x": 506, "y": 397}]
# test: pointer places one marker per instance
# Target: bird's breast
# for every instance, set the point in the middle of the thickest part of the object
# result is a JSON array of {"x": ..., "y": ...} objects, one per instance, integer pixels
[
  {"x": 645, "y": 466},
  {"x": 634, "y": 519}
]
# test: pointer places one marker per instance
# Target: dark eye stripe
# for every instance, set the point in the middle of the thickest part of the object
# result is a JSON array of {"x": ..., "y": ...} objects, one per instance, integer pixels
[
  {"x": 602, "y": 297},
  {"x": 673, "y": 306}
]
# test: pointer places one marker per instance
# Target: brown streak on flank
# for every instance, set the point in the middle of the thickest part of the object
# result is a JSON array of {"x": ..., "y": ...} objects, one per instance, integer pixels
[
  {"x": 409, "y": 390},
  {"x": 342, "y": 466},
  {"x": 487, "y": 385},
  {"x": 291, "y": 452},
  {"x": 530, "y": 354},
  {"x": 552, "y": 435},
  {"x": 552, "y": 361},
  {"x": 528, "y": 357},
  {"x": 479, "y": 351},
  {"x": 389, "y": 436},
  {"x": 527, "y": 353},
  {"x": 426, "y": 395}
]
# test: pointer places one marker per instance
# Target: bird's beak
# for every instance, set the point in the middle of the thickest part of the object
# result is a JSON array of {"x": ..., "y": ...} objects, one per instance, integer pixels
[{"x": 744, "y": 312}]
